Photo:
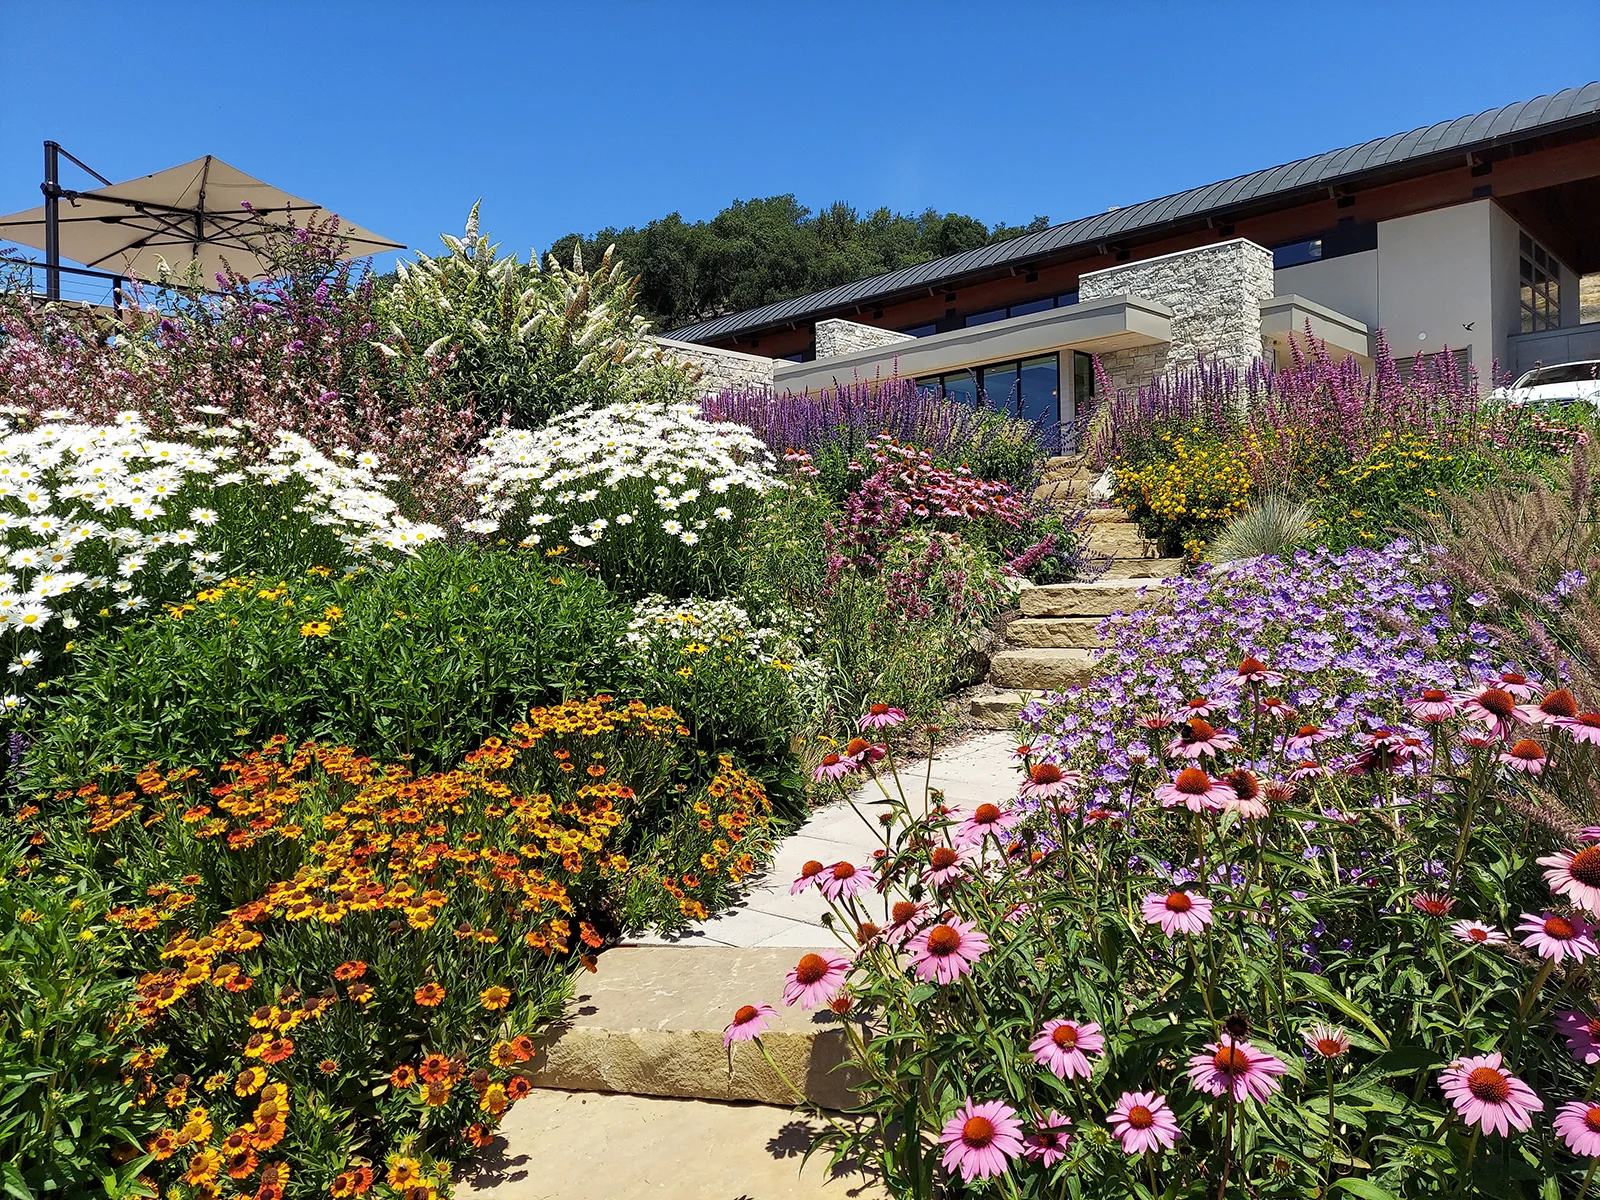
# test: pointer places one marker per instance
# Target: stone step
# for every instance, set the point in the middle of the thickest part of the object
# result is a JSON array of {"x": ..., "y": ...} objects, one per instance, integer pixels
[
  {"x": 1108, "y": 516},
  {"x": 1074, "y": 467},
  {"x": 1095, "y": 599},
  {"x": 1060, "y": 633},
  {"x": 1069, "y": 491},
  {"x": 996, "y": 710},
  {"x": 558, "y": 1145},
  {"x": 650, "y": 1023},
  {"x": 1051, "y": 670},
  {"x": 1122, "y": 539},
  {"x": 1143, "y": 568}
]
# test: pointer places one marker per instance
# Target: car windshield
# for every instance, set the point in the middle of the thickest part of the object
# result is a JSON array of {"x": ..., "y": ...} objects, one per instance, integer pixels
[{"x": 1578, "y": 372}]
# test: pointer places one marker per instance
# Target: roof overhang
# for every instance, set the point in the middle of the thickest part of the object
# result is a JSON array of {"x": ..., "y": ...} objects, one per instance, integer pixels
[
  {"x": 1283, "y": 317},
  {"x": 1097, "y": 327}
]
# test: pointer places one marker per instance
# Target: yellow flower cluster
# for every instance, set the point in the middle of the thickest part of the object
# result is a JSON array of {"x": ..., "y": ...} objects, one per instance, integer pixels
[{"x": 1194, "y": 480}]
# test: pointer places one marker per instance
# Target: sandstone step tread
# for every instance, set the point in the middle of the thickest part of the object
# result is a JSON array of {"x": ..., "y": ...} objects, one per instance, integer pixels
[
  {"x": 1064, "y": 633},
  {"x": 996, "y": 710},
  {"x": 650, "y": 1022},
  {"x": 562, "y": 1145},
  {"x": 1094, "y": 598},
  {"x": 1041, "y": 669}
]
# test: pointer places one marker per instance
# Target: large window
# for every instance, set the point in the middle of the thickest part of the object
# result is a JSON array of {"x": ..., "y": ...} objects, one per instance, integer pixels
[
  {"x": 1350, "y": 238},
  {"x": 1030, "y": 389},
  {"x": 1540, "y": 278}
]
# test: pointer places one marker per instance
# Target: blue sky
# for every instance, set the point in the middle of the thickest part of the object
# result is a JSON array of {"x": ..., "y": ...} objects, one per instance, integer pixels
[{"x": 576, "y": 116}]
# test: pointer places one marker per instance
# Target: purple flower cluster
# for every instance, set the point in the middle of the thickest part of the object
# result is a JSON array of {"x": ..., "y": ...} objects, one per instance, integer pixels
[{"x": 1357, "y": 635}]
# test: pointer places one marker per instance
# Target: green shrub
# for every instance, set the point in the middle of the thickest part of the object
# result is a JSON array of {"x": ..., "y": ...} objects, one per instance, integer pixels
[{"x": 423, "y": 661}]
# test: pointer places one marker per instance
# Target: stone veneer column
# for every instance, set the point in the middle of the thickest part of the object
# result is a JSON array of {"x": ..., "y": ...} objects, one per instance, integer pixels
[
  {"x": 1215, "y": 294},
  {"x": 720, "y": 369},
  {"x": 846, "y": 337}
]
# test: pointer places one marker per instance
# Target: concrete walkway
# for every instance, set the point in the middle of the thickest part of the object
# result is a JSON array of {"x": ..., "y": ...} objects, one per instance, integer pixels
[{"x": 971, "y": 772}]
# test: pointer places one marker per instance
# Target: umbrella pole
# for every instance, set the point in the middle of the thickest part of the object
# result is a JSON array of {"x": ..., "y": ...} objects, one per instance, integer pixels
[{"x": 52, "y": 221}]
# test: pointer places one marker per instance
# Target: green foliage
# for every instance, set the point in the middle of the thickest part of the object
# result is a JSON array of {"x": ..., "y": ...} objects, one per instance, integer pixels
[
  {"x": 522, "y": 341},
  {"x": 757, "y": 251},
  {"x": 63, "y": 1102},
  {"x": 421, "y": 661},
  {"x": 1275, "y": 526}
]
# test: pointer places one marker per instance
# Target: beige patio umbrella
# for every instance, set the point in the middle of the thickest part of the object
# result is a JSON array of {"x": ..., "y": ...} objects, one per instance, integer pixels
[{"x": 191, "y": 213}]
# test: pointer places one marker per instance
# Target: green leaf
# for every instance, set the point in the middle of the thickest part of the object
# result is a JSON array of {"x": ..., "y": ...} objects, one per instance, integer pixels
[
  {"x": 1364, "y": 1188},
  {"x": 1323, "y": 990}
]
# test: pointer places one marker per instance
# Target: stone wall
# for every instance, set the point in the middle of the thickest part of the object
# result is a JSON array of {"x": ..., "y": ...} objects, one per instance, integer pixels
[
  {"x": 721, "y": 369},
  {"x": 1215, "y": 294},
  {"x": 846, "y": 337}
]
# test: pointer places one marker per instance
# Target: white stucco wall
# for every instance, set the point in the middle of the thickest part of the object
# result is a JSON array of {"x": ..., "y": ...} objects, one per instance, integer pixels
[
  {"x": 1435, "y": 278},
  {"x": 1347, "y": 284}
]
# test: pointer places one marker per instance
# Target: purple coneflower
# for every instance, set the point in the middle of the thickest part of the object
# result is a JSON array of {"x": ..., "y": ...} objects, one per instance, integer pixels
[
  {"x": 835, "y": 766},
  {"x": 904, "y": 918},
  {"x": 1487, "y": 1096},
  {"x": 1478, "y": 933},
  {"x": 1583, "y": 1035},
  {"x": 1432, "y": 707},
  {"x": 1304, "y": 738},
  {"x": 1198, "y": 736},
  {"x": 1046, "y": 781},
  {"x": 1526, "y": 756},
  {"x": 810, "y": 875},
  {"x": 1556, "y": 937},
  {"x": 1253, "y": 670},
  {"x": 1278, "y": 709},
  {"x": 981, "y": 1139},
  {"x": 1232, "y": 1067},
  {"x": 1556, "y": 707},
  {"x": 1142, "y": 1122},
  {"x": 1575, "y": 874},
  {"x": 1246, "y": 799},
  {"x": 1326, "y": 1041},
  {"x": 845, "y": 879},
  {"x": 1177, "y": 912},
  {"x": 1517, "y": 684},
  {"x": 1047, "y": 1144},
  {"x": 945, "y": 866},
  {"x": 1585, "y": 727},
  {"x": 943, "y": 953},
  {"x": 1195, "y": 790},
  {"x": 1492, "y": 705},
  {"x": 1578, "y": 1123},
  {"x": 749, "y": 1023},
  {"x": 816, "y": 979},
  {"x": 1064, "y": 1048},
  {"x": 1431, "y": 904},
  {"x": 1200, "y": 706},
  {"x": 986, "y": 819},
  {"x": 881, "y": 716}
]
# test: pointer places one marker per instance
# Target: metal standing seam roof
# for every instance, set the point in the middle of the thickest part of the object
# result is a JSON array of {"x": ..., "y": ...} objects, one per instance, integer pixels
[{"x": 1539, "y": 115}]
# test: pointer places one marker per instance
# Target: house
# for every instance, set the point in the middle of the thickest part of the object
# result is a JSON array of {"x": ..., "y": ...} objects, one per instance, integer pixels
[{"x": 1469, "y": 236}]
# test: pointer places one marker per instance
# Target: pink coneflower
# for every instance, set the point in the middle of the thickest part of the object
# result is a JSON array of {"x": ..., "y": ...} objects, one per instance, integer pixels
[
  {"x": 1585, "y": 727},
  {"x": 1487, "y": 1096},
  {"x": 1432, "y": 707},
  {"x": 1526, "y": 755},
  {"x": 1279, "y": 791},
  {"x": 1064, "y": 1048},
  {"x": 943, "y": 953},
  {"x": 1326, "y": 1041},
  {"x": 1578, "y": 1123},
  {"x": 1047, "y": 1144},
  {"x": 1177, "y": 912},
  {"x": 816, "y": 979},
  {"x": 845, "y": 879},
  {"x": 1308, "y": 768},
  {"x": 835, "y": 766},
  {"x": 1154, "y": 721},
  {"x": 986, "y": 819},
  {"x": 1253, "y": 670},
  {"x": 881, "y": 716},
  {"x": 904, "y": 918},
  {"x": 1517, "y": 684},
  {"x": 1237, "y": 1068},
  {"x": 1200, "y": 706},
  {"x": 1492, "y": 705},
  {"x": 865, "y": 752},
  {"x": 1198, "y": 736},
  {"x": 1046, "y": 781},
  {"x": 981, "y": 1139},
  {"x": 749, "y": 1023},
  {"x": 1022, "y": 753},
  {"x": 1556, "y": 707},
  {"x": 1478, "y": 933},
  {"x": 1246, "y": 799},
  {"x": 1575, "y": 874},
  {"x": 1583, "y": 1035},
  {"x": 1195, "y": 790},
  {"x": 810, "y": 875},
  {"x": 1304, "y": 738},
  {"x": 1478, "y": 739},
  {"x": 1556, "y": 937},
  {"x": 1278, "y": 709},
  {"x": 945, "y": 866},
  {"x": 1142, "y": 1122},
  {"x": 1431, "y": 904}
]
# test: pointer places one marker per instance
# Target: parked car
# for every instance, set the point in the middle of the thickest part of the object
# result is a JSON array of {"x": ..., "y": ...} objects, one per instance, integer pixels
[{"x": 1557, "y": 385}]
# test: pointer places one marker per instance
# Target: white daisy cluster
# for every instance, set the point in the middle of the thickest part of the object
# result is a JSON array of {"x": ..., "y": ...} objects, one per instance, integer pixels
[
  {"x": 720, "y": 625},
  {"x": 595, "y": 471},
  {"x": 103, "y": 519}
]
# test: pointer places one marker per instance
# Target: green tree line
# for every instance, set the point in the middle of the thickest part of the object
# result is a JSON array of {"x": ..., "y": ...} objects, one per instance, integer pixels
[{"x": 756, "y": 251}]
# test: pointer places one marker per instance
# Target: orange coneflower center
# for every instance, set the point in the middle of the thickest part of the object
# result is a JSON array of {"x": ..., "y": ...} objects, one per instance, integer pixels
[
  {"x": 1044, "y": 773},
  {"x": 877, "y": 710},
  {"x": 904, "y": 910},
  {"x": 1435, "y": 696},
  {"x": 811, "y": 868},
  {"x": 1558, "y": 927},
  {"x": 856, "y": 745},
  {"x": 866, "y": 931},
  {"x": 1252, "y": 666},
  {"x": 1585, "y": 866},
  {"x": 1588, "y": 720},
  {"x": 1065, "y": 1036},
  {"x": 1513, "y": 678},
  {"x": 1198, "y": 730},
  {"x": 843, "y": 870},
  {"x": 1527, "y": 749},
  {"x": 1307, "y": 731},
  {"x": 1488, "y": 1084},
  {"x": 1501, "y": 704},
  {"x": 1478, "y": 935},
  {"x": 1559, "y": 703},
  {"x": 987, "y": 814},
  {"x": 811, "y": 968},
  {"x": 1330, "y": 1047},
  {"x": 1140, "y": 1117},
  {"x": 745, "y": 1015},
  {"x": 943, "y": 940},
  {"x": 1192, "y": 781},
  {"x": 1231, "y": 1060},
  {"x": 1179, "y": 902},
  {"x": 831, "y": 760},
  {"x": 1591, "y": 1118},
  {"x": 943, "y": 857},
  {"x": 978, "y": 1132},
  {"x": 1245, "y": 784}
]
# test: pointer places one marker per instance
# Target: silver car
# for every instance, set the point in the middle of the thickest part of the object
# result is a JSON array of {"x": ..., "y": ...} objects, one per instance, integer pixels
[{"x": 1557, "y": 385}]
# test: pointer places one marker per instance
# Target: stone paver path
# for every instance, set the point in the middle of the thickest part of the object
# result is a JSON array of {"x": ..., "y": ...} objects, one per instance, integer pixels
[{"x": 971, "y": 772}]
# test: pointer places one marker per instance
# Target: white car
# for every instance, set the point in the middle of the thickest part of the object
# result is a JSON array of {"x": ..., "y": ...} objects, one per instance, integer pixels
[{"x": 1556, "y": 385}]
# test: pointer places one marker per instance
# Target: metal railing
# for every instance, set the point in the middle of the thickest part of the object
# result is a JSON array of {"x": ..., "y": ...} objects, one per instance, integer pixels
[{"x": 82, "y": 286}]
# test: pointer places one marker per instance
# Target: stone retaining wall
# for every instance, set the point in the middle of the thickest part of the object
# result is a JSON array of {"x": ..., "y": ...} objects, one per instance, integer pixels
[
  {"x": 721, "y": 369},
  {"x": 846, "y": 337}
]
